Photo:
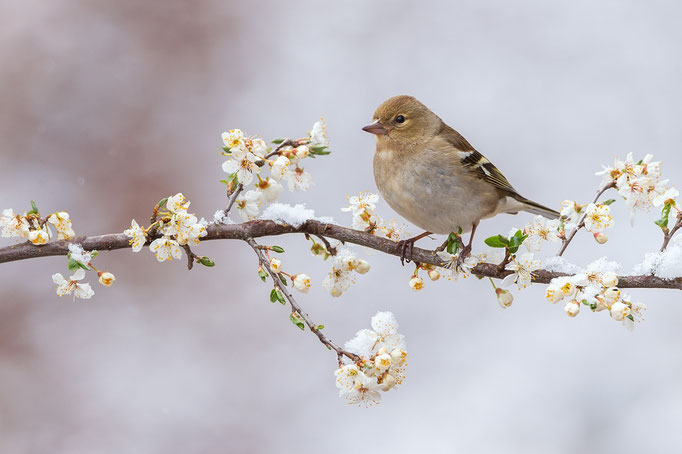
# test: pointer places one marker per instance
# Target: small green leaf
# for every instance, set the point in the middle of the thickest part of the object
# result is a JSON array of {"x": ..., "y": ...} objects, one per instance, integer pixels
[
  {"x": 631, "y": 317},
  {"x": 280, "y": 297},
  {"x": 319, "y": 327},
  {"x": 278, "y": 249},
  {"x": 82, "y": 265},
  {"x": 277, "y": 141},
  {"x": 273, "y": 295},
  {"x": 162, "y": 202},
  {"x": 94, "y": 254},
  {"x": 608, "y": 202},
  {"x": 453, "y": 243},
  {"x": 262, "y": 275},
  {"x": 497, "y": 241},
  {"x": 662, "y": 222},
  {"x": 283, "y": 279},
  {"x": 34, "y": 206},
  {"x": 297, "y": 320},
  {"x": 516, "y": 241},
  {"x": 73, "y": 265},
  {"x": 226, "y": 149},
  {"x": 206, "y": 261},
  {"x": 225, "y": 182}
]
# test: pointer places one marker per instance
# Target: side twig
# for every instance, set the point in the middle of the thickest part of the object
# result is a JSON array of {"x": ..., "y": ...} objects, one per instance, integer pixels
[
  {"x": 669, "y": 234},
  {"x": 296, "y": 308}
]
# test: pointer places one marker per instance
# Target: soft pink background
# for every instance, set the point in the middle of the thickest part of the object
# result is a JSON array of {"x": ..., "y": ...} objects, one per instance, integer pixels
[{"x": 106, "y": 107}]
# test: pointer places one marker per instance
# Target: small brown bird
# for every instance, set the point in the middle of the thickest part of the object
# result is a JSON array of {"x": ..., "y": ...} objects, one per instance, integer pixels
[{"x": 434, "y": 178}]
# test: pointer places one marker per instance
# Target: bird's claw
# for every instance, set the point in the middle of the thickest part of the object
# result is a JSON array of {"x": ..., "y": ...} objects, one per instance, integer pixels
[{"x": 404, "y": 246}]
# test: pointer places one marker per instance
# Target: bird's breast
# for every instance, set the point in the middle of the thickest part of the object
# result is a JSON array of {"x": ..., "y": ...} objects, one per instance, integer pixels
[{"x": 431, "y": 189}]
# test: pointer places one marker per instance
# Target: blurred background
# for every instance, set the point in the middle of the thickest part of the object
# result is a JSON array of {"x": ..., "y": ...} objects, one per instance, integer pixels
[{"x": 106, "y": 107}]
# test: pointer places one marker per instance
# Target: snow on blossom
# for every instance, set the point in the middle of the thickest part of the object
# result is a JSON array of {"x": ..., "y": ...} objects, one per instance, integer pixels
[
  {"x": 77, "y": 253},
  {"x": 165, "y": 249},
  {"x": 341, "y": 277},
  {"x": 72, "y": 286},
  {"x": 522, "y": 267},
  {"x": 381, "y": 367},
  {"x": 137, "y": 235}
]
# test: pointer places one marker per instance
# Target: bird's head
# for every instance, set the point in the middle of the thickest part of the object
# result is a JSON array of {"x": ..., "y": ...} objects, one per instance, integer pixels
[{"x": 404, "y": 121}]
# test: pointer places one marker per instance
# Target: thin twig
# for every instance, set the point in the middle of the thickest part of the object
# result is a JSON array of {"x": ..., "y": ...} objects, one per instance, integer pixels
[
  {"x": 668, "y": 235},
  {"x": 296, "y": 308},
  {"x": 581, "y": 223},
  {"x": 233, "y": 198},
  {"x": 191, "y": 256},
  {"x": 262, "y": 228}
]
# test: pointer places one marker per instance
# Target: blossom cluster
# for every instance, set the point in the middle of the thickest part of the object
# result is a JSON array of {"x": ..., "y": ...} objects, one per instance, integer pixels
[
  {"x": 177, "y": 226},
  {"x": 639, "y": 183},
  {"x": 599, "y": 292},
  {"x": 363, "y": 208},
  {"x": 596, "y": 217},
  {"x": 248, "y": 156},
  {"x": 382, "y": 363},
  {"x": 80, "y": 261},
  {"x": 31, "y": 226},
  {"x": 341, "y": 277}
]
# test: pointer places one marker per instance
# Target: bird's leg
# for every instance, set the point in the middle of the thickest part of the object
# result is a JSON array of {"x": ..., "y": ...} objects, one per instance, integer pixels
[
  {"x": 466, "y": 250},
  {"x": 409, "y": 243}
]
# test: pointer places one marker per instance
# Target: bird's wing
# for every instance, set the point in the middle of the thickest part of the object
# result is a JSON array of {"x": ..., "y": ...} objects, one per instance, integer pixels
[{"x": 476, "y": 163}]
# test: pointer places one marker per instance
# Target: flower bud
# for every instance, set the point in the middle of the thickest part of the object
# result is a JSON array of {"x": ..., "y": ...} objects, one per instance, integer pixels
[
  {"x": 362, "y": 267},
  {"x": 600, "y": 237},
  {"x": 106, "y": 278},
  {"x": 609, "y": 279},
  {"x": 275, "y": 265},
  {"x": 382, "y": 362},
  {"x": 416, "y": 283},
  {"x": 388, "y": 382},
  {"x": 301, "y": 151},
  {"x": 504, "y": 298},
  {"x": 434, "y": 275},
  {"x": 398, "y": 356},
  {"x": 572, "y": 308},
  {"x": 611, "y": 295},
  {"x": 619, "y": 311},
  {"x": 302, "y": 283}
]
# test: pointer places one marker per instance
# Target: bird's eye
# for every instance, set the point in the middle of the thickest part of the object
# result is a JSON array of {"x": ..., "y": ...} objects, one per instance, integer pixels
[{"x": 400, "y": 119}]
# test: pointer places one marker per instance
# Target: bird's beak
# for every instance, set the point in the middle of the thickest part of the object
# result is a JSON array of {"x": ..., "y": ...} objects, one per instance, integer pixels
[{"x": 376, "y": 128}]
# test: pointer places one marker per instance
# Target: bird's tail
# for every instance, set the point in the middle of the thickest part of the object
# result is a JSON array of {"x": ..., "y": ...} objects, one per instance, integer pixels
[{"x": 536, "y": 208}]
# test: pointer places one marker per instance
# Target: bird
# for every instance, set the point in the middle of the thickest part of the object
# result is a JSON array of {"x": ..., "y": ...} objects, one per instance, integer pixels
[{"x": 431, "y": 175}]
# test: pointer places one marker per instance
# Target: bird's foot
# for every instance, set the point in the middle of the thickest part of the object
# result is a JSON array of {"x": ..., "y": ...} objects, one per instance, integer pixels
[
  {"x": 408, "y": 245},
  {"x": 463, "y": 254}
]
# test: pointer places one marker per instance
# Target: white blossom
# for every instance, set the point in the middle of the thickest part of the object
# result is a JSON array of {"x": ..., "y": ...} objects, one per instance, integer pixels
[
  {"x": 302, "y": 283},
  {"x": 416, "y": 283},
  {"x": 13, "y": 225},
  {"x": 572, "y": 308},
  {"x": 165, "y": 249},
  {"x": 62, "y": 223},
  {"x": 137, "y": 236},
  {"x": 597, "y": 217},
  {"x": 619, "y": 311},
  {"x": 504, "y": 298},
  {"x": 298, "y": 179},
  {"x": 72, "y": 286},
  {"x": 318, "y": 135},
  {"x": 106, "y": 278},
  {"x": 279, "y": 167},
  {"x": 269, "y": 189},
  {"x": 77, "y": 253},
  {"x": 541, "y": 229},
  {"x": 39, "y": 236},
  {"x": 522, "y": 268},
  {"x": 177, "y": 203},
  {"x": 243, "y": 163},
  {"x": 248, "y": 204}
]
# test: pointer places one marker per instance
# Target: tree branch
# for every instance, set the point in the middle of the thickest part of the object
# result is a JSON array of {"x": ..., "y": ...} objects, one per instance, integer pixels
[{"x": 261, "y": 228}]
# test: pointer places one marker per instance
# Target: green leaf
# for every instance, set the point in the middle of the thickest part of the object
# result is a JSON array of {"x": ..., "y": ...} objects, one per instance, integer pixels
[
  {"x": 94, "y": 254},
  {"x": 283, "y": 279},
  {"x": 225, "y": 182},
  {"x": 662, "y": 222},
  {"x": 273, "y": 295},
  {"x": 262, "y": 275},
  {"x": 278, "y": 249},
  {"x": 73, "y": 265},
  {"x": 453, "y": 243},
  {"x": 319, "y": 327},
  {"x": 277, "y": 141},
  {"x": 34, "y": 206},
  {"x": 297, "y": 320},
  {"x": 516, "y": 241},
  {"x": 206, "y": 261},
  {"x": 162, "y": 202},
  {"x": 497, "y": 241},
  {"x": 226, "y": 149},
  {"x": 608, "y": 202},
  {"x": 631, "y": 317},
  {"x": 82, "y": 265},
  {"x": 280, "y": 297}
]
